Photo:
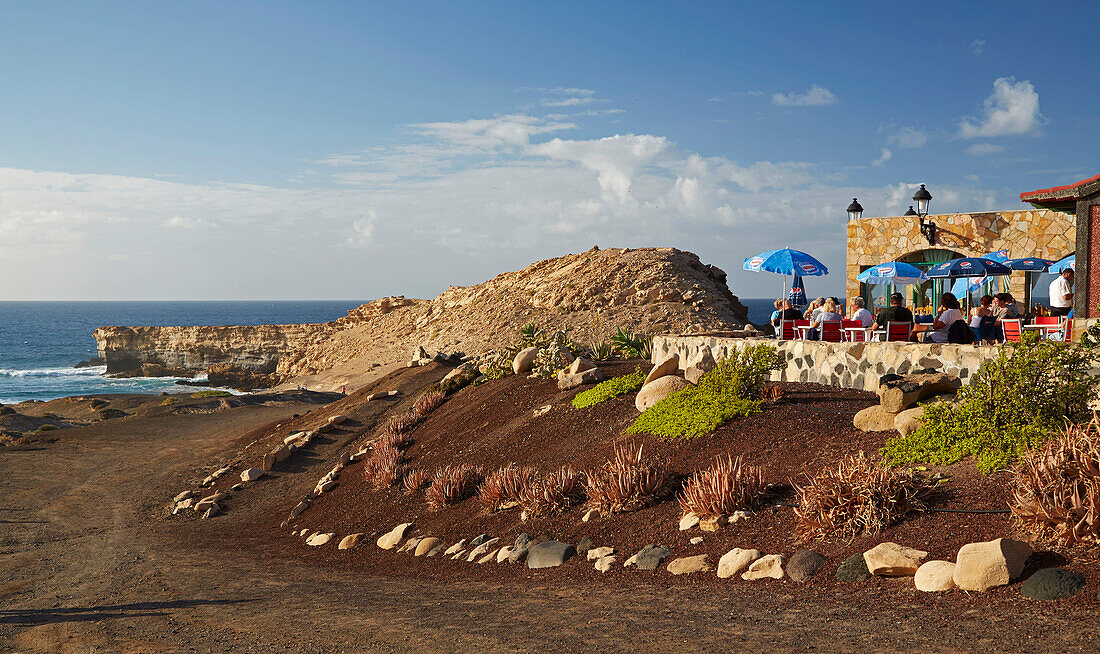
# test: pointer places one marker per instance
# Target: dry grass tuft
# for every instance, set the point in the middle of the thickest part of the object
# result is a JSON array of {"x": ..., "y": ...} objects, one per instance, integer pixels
[
  {"x": 857, "y": 497},
  {"x": 552, "y": 493},
  {"x": 414, "y": 479},
  {"x": 629, "y": 481},
  {"x": 385, "y": 467},
  {"x": 501, "y": 489},
  {"x": 427, "y": 402},
  {"x": 723, "y": 488},
  {"x": 452, "y": 484},
  {"x": 1056, "y": 489}
]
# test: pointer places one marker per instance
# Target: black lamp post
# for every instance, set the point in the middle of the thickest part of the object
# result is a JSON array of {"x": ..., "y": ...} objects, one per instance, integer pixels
[
  {"x": 855, "y": 210},
  {"x": 928, "y": 228}
]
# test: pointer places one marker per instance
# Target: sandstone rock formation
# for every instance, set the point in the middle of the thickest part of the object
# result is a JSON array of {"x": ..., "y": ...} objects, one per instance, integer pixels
[{"x": 649, "y": 290}]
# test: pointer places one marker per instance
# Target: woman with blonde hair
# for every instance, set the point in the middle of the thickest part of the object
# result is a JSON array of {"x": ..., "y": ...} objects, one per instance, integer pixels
[{"x": 828, "y": 312}]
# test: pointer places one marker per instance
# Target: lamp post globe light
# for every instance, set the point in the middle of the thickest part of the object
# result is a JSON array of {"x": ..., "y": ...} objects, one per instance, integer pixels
[
  {"x": 855, "y": 210},
  {"x": 928, "y": 228}
]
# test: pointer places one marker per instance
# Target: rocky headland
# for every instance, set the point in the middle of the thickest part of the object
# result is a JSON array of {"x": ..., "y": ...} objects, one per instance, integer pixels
[{"x": 649, "y": 290}]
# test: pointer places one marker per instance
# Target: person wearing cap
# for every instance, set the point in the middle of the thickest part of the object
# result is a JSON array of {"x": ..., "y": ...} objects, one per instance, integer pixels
[
  {"x": 1061, "y": 293},
  {"x": 896, "y": 312}
]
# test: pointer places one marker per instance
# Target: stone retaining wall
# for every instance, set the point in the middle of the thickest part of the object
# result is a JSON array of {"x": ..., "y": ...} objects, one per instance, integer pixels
[{"x": 847, "y": 365}]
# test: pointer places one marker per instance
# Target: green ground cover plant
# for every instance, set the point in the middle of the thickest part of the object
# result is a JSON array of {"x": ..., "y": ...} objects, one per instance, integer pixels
[
  {"x": 613, "y": 387},
  {"x": 202, "y": 394},
  {"x": 1013, "y": 404},
  {"x": 731, "y": 390}
]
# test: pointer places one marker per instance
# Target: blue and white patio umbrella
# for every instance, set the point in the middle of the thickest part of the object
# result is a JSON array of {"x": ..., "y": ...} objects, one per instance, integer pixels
[
  {"x": 797, "y": 296},
  {"x": 968, "y": 267},
  {"x": 1032, "y": 264},
  {"x": 1058, "y": 267},
  {"x": 786, "y": 262},
  {"x": 962, "y": 288},
  {"x": 893, "y": 272}
]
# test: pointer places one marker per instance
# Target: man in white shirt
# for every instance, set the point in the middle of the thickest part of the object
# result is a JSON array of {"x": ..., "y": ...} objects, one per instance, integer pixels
[
  {"x": 1061, "y": 293},
  {"x": 860, "y": 313}
]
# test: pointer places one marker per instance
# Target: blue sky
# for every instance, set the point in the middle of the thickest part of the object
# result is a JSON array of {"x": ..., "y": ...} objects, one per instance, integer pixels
[{"x": 352, "y": 150}]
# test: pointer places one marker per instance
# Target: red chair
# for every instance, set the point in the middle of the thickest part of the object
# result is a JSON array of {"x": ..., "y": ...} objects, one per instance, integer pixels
[
  {"x": 850, "y": 333},
  {"x": 898, "y": 331},
  {"x": 787, "y": 330},
  {"x": 831, "y": 331},
  {"x": 1012, "y": 328},
  {"x": 1050, "y": 322}
]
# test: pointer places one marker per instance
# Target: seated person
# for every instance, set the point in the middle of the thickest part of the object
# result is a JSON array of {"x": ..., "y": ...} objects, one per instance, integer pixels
[
  {"x": 1004, "y": 308},
  {"x": 814, "y": 308},
  {"x": 948, "y": 314},
  {"x": 980, "y": 327},
  {"x": 860, "y": 313},
  {"x": 896, "y": 312},
  {"x": 828, "y": 312},
  {"x": 786, "y": 312},
  {"x": 775, "y": 314}
]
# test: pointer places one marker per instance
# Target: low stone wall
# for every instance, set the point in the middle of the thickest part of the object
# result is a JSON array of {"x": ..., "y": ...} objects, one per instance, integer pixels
[{"x": 847, "y": 365}]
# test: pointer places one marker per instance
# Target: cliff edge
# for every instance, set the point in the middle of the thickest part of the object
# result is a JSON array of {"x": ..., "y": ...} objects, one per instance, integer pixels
[{"x": 651, "y": 290}]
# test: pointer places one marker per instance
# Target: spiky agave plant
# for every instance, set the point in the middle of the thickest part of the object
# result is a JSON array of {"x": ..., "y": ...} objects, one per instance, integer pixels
[
  {"x": 629, "y": 481},
  {"x": 728, "y": 485},
  {"x": 385, "y": 467},
  {"x": 552, "y": 493},
  {"x": 502, "y": 487},
  {"x": 452, "y": 484},
  {"x": 1056, "y": 489},
  {"x": 414, "y": 479},
  {"x": 857, "y": 497},
  {"x": 427, "y": 402},
  {"x": 401, "y": 423}
]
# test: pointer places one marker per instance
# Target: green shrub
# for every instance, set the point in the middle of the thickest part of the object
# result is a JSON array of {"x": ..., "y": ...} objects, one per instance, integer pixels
[
  {"x": 202, "y": 394},
  {"x": 728, "y": 391},
  {"x": 632, "y": 346},
  {"x": 47, "y": 428},
  {"x": 169, "y": 400},
  {"x": 613, "y": 387},
  {"x": 1012, "y": 404}
]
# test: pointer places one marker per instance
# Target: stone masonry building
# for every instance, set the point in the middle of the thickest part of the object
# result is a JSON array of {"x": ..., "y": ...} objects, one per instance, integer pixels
[{"x": 1034, "y": 233}]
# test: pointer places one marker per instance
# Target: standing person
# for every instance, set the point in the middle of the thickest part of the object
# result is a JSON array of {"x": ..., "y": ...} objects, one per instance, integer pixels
[
  {"x": 860, "y": 313},
  {"x": 942, "y": 323},
  {"x": 1061, "y": 293}
]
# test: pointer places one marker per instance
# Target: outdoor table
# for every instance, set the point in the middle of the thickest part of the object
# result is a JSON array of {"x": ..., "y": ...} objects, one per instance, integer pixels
[
  {"x": 803, "y": 331},
  {"x": 1046, "y": 330},
  {"x": 879, "y": 335},
  {"x": 850, "y": 333}
]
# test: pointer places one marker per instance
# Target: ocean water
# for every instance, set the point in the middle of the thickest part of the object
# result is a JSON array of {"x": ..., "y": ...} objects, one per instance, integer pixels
[{"x": 40, "y": 342}]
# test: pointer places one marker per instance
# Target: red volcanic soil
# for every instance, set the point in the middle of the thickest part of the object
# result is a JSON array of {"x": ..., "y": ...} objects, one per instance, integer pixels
[{"x": 494, "y": 424}]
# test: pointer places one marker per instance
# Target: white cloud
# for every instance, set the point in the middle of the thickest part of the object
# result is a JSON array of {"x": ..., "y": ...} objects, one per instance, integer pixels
[
  {"x": 883, "y": 158},
  {"x": 451, "y": 203},
  {"x": 977, "y": 47},
  {"x": 815, "y": 96},
  {"x": 362, "y": 231},
  {"x": 1012, "y": 109},
  {"x": 615, "y": 159},
  {"x": 979, "y": 149},
  {"x": 511, "y": 130},
  {"x": 908, "y": 137}
]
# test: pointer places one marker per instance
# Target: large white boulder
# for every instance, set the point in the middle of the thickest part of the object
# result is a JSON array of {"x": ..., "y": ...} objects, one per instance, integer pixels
[
  {"x": 389, "y": 540},
  {"x": 670, "y": 365},
  {"x": 657, "y": 390},
  {"x": 893, "y": 560},
  {"x": 981, "y": 566},
  {"x": 525, "y": 360}
]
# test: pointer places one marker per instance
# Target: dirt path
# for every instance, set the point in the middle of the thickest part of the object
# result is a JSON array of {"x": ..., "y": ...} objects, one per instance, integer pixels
[{"x": 87, "y": 565}]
